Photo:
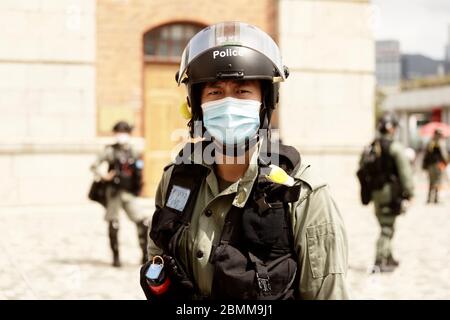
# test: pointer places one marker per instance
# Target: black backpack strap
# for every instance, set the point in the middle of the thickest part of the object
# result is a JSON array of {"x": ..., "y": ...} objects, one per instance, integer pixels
[
  {"x": 388, "y": 164},
  {"x": 184, "y": 185},
  {"x": 262, "y": 275},
  {"x": 292, "y": 156},
  {"x": 186, "y": 174},
  {"x": 232, "y": 223},
  {"x": 287, "y": 158},
  {"x": 183, "y": 188}
]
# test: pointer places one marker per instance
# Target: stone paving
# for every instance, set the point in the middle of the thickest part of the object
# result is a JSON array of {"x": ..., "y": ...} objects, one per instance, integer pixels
[
  {"x": 63, "y": 253},
  {"x": 421, "y": 243}
]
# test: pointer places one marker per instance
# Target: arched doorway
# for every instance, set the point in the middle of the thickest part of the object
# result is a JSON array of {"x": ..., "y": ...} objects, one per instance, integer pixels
[{"x": 163, "y": 124}]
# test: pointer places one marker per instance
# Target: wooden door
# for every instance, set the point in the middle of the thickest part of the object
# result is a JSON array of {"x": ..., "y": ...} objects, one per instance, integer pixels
[{"x": 165, "y": 130}]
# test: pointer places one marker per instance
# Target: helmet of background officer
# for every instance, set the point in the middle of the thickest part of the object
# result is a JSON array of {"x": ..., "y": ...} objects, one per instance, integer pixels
[
  {"x": 388, "y": 123},
  {"x": 122, "y": 131},
  {"x": 231, "y": 51},
  {"x": 438, "y": 133}
]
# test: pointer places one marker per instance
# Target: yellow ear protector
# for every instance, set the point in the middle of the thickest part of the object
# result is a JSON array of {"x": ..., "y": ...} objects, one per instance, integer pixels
[
  {"x": 185, "y": 111},
  {"x": 278, "y": 175}
]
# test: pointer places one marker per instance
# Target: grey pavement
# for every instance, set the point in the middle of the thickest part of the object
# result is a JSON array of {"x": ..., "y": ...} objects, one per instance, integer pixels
[
  {"x": 63, "y": 252},
  {"x": 421, "y": 243}
]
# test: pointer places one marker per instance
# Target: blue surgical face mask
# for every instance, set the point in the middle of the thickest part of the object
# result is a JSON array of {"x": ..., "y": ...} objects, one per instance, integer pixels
[{"x": 230, "y": 121}]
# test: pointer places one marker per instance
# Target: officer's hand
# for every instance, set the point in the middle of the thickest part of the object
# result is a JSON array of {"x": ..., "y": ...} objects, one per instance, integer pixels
[
  {"x": 109, "y": 176},
  {"x": 176, "y": 273}
]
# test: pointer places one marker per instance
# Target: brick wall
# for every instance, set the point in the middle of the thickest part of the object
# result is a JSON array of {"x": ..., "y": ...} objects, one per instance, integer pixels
[{"x": 120, "y": 28}]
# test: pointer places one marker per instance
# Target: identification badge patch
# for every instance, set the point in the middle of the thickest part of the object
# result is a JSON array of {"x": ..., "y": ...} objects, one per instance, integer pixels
[{"x": 178, "y": 198}]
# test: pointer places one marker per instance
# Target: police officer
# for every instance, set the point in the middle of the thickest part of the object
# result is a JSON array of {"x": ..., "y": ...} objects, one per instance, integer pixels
[
  {"x": 391, "y": 199},
  {"x": 435, "y": 161},
  {"x": 253, "y": 223},
  {"x": 124, "y": 182}
]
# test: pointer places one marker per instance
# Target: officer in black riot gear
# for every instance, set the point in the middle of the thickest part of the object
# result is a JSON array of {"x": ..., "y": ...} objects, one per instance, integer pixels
[
  {"x": 255, "y": 222},
  {"x": 123, "y": 177}
]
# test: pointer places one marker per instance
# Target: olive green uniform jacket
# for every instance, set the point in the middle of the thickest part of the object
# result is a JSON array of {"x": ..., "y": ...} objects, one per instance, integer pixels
[
  {"x": 319, "y": 233},
  {"x": 122, "y": 198}
]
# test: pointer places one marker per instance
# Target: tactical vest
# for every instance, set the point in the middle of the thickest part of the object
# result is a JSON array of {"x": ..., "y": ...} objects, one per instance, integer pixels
[
  {"x": 254, "y": 258},
  {"x": 128, "y": 171}
]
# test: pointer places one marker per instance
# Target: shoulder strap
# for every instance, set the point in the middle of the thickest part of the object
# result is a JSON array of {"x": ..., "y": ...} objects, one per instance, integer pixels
[
  {"x": 184, "y": 183},
  {"x": 183, "y": 186},
  {"x": 290, "y": 157},
  {"x": 232, "y": 221},
  {"x": 264, "y": 191},
  {"x": 385, "y": 145},
  {"x": 287, "y": 158},
  {"x": 388, "y": 162}
]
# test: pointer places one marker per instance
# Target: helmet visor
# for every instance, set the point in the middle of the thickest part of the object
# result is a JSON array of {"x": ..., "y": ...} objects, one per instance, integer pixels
[{"x": 231, "y": 34}]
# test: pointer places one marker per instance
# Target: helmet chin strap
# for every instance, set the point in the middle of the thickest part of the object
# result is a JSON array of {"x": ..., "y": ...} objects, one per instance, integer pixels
[{"x": 265, "y": 134}]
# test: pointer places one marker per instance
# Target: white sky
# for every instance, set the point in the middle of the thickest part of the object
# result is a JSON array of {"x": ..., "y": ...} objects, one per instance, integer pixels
[{"x": 421, "y": 26}]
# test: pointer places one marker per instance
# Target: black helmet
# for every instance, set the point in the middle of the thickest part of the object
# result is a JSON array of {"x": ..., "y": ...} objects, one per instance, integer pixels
[
  {"x": 438, "y": 132},
  {"x": 388, "y": 120},
  {"x": 232, "y": 50},
  {"x": 122, "y": 126}
]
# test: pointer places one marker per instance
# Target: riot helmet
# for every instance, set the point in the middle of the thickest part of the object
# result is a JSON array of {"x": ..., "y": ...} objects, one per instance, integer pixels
[
  {"x": 387, "y": 121},
  {"x": 438, "y": 133},
  {"x": 123, "y": 127},
  {"x": 232, "y": 51}
]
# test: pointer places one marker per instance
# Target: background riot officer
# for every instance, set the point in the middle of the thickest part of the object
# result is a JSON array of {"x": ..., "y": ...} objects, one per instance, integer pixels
[
  {"x": 396, "y": 187},
  {"x": 124, "y": 184},
  {"x": 435, "y": 160}
]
